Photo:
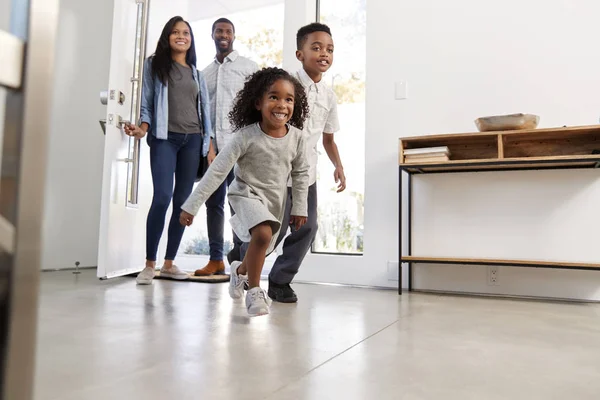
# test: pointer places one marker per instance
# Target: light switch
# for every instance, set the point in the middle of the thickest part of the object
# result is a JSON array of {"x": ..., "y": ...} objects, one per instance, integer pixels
[{"x": 401, "y": 90}]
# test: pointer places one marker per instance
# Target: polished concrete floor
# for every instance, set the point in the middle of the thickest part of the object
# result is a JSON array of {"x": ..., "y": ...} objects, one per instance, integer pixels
[{"x": 115, "y": 340}]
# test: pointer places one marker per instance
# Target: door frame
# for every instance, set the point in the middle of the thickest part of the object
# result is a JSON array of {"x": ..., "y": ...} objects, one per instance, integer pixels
[
  {"x": 26, "y": 263},
  {"x": 319, "y": 267}
]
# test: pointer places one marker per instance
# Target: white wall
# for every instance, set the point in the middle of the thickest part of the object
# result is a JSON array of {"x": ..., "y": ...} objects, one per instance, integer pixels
[
  {"x": 464, "y": 59},
  {"x": 5, "y": 7},
  {"x": 74, "y": 173}
]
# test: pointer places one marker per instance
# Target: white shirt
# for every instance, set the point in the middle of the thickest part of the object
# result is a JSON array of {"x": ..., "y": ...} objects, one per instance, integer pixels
[
  {"x": 224, "y": 81},
  {"x": 323, "y": 117}
]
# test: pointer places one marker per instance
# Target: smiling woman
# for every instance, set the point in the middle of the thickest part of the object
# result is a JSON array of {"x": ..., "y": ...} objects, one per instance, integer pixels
[{"x": 175, "y": 113}]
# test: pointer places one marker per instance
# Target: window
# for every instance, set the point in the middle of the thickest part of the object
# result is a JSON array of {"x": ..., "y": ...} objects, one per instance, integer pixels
[
  {"x": 341, "y": 215},
  {"x": 259, "y": 36}
]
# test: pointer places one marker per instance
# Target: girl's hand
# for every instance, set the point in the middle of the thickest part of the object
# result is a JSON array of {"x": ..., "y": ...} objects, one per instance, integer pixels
[
  {"x": 297, "y": 221},
  {"x": 134, "y": 131},
  {"x": 186, "y": 219},
  {"x": 210, "y": 157}
]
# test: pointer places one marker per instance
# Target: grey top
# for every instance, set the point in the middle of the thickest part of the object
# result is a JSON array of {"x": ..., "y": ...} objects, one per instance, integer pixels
[
  {"x": 183, "y": 100},
  {"x": 259, "y": 190}
]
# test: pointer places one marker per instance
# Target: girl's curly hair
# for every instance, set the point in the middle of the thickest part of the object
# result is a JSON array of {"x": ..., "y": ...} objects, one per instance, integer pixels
[{"x": 244, "y": 110}]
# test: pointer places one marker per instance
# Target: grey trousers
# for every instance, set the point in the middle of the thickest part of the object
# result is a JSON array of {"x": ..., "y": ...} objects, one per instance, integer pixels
[{"x": 298, "y": 243}]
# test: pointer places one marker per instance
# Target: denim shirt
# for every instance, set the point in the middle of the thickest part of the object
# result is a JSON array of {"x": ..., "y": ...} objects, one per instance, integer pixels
[{"x": 155, "y": 107}]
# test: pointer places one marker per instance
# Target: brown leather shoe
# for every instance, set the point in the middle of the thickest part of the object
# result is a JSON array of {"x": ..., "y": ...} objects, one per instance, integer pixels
[{"x": 212, "y": 268}]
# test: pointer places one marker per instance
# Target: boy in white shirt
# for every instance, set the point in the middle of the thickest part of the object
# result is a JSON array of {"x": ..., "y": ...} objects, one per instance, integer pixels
[{"x": 315, "y": 52}]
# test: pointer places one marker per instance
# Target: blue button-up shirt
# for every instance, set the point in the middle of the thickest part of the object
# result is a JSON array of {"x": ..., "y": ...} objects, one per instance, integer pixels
[{"x": 155, "y": 106}]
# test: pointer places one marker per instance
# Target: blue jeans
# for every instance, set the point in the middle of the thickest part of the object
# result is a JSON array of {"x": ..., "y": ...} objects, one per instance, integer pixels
[
  {"x": 178, "y": 157},
  {"x": 215, "y": 219}
]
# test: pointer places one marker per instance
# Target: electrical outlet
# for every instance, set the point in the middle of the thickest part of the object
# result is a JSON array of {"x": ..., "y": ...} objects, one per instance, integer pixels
[
  {"x": 493, "y": 276},
  {"x": 392, "y": 270}
]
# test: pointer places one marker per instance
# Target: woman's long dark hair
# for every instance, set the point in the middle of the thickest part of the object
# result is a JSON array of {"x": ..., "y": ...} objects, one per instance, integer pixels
[{"x": 162, "y": 61}]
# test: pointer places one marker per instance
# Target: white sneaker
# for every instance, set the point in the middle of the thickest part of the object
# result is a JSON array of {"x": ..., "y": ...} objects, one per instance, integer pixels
[
  {"x": 257, "y": 302},
  {"x": 174, "y": 273},
  {"x": 145, "y": 277},
  {"x": 237, "y": 282}
]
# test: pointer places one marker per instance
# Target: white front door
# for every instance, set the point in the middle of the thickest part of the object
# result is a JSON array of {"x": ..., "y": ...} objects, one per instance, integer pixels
[{"x": 126, "y": 183}]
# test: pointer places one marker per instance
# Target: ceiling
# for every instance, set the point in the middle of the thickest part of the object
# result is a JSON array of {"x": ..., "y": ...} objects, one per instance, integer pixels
[{"x": 200, "y": 10}]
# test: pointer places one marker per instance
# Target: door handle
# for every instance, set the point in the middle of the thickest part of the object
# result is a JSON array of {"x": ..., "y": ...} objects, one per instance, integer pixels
[
  {"x": 116, "y": 119},
  {"x": 122, "y": 122},
  {"x": 141, "y": 30}
]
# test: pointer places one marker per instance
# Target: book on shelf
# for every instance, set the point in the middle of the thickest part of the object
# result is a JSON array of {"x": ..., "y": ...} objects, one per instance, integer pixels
[
  {"x": 418, "y": 156},
  {"x": 429, "y": 159},
  {"x": 428, "y": 151},
  {"x": 427, "y": 155}
]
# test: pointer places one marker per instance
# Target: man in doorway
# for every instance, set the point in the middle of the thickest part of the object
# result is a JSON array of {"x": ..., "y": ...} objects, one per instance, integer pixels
[{"x": 225, "y": 77}]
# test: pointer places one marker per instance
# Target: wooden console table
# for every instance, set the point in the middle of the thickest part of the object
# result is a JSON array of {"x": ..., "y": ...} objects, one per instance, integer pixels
[{"x": 556, "y": 148}]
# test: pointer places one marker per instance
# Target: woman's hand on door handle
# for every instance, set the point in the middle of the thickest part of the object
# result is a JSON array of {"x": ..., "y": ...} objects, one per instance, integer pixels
[{"x": 135, "y": 131}]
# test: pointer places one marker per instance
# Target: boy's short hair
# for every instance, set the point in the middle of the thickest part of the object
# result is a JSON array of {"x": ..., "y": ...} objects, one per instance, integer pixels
[
  {"x": 222, "y": 20},
  {"x": 303, "y": 32}
]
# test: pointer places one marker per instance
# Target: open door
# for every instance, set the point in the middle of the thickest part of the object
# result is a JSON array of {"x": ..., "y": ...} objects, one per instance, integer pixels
[{"x": 126, "y": 176}]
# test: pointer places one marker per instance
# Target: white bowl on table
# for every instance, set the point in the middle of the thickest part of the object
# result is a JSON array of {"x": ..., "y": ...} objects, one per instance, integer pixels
[{"x": 510, "y": 122}]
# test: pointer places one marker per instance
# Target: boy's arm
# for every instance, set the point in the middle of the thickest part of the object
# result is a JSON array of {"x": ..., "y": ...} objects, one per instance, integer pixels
[
  {"x": 333, "y": 125},
  {"x": 334, "y": 155},
  {"x": 215, "y": 174},
  {"x": 300, "y": 178}
]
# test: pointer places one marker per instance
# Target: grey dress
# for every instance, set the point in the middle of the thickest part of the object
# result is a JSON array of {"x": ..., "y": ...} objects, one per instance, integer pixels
[{"x": 259, "y": 190}]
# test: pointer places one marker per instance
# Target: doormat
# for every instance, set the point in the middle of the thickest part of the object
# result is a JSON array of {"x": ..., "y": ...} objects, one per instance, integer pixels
[{"x": 200, "y": 279}]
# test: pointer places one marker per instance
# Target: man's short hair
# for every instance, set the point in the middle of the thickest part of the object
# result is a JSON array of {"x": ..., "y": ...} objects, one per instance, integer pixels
[
  {"x": 224, "y": 20},
  {"x": 303, "y": 32}
]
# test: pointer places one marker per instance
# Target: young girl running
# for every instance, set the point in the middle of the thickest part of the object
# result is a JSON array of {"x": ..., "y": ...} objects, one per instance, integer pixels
[{"x": 267, "y": 150}]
